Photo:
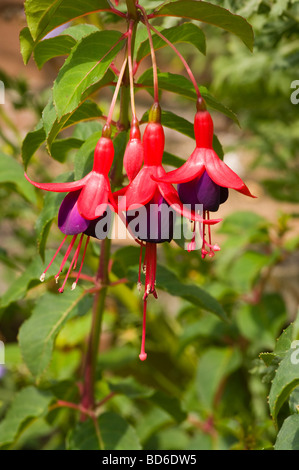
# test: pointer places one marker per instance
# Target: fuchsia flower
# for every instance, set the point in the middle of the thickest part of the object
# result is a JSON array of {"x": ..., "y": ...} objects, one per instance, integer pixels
[
  {"x": 204, "y": 178},
  {"x": 86, "y": 203},
  {"x": 145, "y": 190}
]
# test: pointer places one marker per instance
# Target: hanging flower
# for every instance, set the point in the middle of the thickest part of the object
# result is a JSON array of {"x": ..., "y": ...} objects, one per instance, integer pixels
[
  {"x": 204, "y": 178},
  {"x": 85, "y": 205},
  {"x": 150, "y": 196}
]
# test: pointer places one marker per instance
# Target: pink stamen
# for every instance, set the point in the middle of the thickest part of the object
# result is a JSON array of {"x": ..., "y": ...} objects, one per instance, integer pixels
[
  {"x": 74, "y": 260},
  {"x": 78, "y": 251},
  {"x": 81, "y": 266},
  {"x": 143, "y": 355},
  {"x": 139, "y": 272},
  {"x": 42, "y": 278},
  {"x": 66, "y": 256}
]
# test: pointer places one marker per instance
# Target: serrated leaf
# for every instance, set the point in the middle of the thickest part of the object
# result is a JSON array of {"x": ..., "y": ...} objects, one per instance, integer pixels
[
  {"x": 186, "y": 33},
  {"x": 37, "y": 334},
  {"x": 28, "y": 404},
  {"x": 62, "y": 44},
  {"x": 288, "y": 436},
  {"x": 285, "y": 380},
  {"x": 114, "y": 433},
  {"x": 212, "y": 14},
  {"x": 182, "y": 86},
  {"x": 45, "y": 15},
  {"x": 83, "y": 69},
  {"x": 13, "y": 173}
]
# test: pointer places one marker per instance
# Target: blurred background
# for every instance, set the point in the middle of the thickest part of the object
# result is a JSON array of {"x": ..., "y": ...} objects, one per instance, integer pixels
[{"x": 211, "y": 369}]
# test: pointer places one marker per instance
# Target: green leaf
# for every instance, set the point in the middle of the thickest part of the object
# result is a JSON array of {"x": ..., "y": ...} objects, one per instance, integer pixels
[
  {"x": 86, "y": 111},
  {"x": 169, "y": 404},
  {"x": 288, "y": 436},
  {"x": 168, "y": 281},
  {"x": 38, "y": 333},
  {"x": 212, "y": 14},
  {"x": 61, "y": 147},
  {"x": 262, "y": 323},
  {"x": 285, "y": 380},
  {"x": 83, "y": 69},
  {"x": 18, "y": 289},
  {"x": 114, "y": 433},
  {"x": 13, "y": 173},
  {"x": 45, "y": 15},
  {"x": 187, "y": 33},
  {"x": 130, "y": 388},
  {"x": 182, "y": 86},
  {"x": 84, "y": 157},
  {"x": 49, "y": 127},
  {"x": 26, "y": 44},
  {"x": 62, "y": 44},
  {"x": 28, "y": 404},
  {"x": 214, "y": 366},
  {"x": 53, "y": 47}
]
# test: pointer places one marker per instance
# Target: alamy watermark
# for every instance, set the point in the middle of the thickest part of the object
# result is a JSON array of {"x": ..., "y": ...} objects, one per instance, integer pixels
[
  {"x": 2, "y": 92},
  {"x": 154, "y": 222},
  {"x": 2, "y": 353},
  {"x": 295, "y": 95}
]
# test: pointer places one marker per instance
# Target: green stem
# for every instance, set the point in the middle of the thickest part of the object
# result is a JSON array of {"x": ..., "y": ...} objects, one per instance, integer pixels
[
  {"x": 102, "y": 278},
  {"x": 132, "y": 10},
  {"x": 88, "y": 398}
]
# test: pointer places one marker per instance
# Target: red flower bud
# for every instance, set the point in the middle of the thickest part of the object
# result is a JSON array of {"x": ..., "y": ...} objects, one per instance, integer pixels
[{"x": 133, "y": 157}]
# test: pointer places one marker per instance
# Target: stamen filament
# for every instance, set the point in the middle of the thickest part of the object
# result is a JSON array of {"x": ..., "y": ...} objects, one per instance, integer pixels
[
  {"x": 66, "y": 256},
  {"x": 42, "y": 278},
  {"x": 143, "y": 355},
  {"x": 75, "y": 257},
  {"x": 81, "y": 266}
]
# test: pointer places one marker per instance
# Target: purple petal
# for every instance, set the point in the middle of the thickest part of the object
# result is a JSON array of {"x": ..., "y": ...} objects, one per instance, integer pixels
[
  {"x": 187, "y": 193},
  {"x": 208, "y": 193},
  {"x": 70, "y": 221}
]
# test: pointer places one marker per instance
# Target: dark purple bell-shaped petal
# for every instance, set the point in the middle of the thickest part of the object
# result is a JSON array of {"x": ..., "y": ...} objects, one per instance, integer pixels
[
  {"x": 70, "y": 221},
  {"x": 187, "y": 193},
  {"x": 210, "y": 194},
  {"x": 154, "y": 222}
]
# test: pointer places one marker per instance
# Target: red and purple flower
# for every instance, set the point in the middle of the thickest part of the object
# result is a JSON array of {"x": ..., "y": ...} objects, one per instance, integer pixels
[
  {"x": 204, "y": 179},
  {"x": 86, "y": 203}
]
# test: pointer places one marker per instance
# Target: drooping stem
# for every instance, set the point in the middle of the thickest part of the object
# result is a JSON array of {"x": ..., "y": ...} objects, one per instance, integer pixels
[
  {"x": 188, "y": 69},
  {"x": 130, "y": 65},
  {"x": 116, "y": 92},
  {"x": 153, "y": 54}
]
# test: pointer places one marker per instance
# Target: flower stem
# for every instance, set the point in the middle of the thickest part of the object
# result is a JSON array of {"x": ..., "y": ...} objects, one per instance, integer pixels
[
  {"x": 153, "y": 54},
  {"x": 188, "y": 69}
]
